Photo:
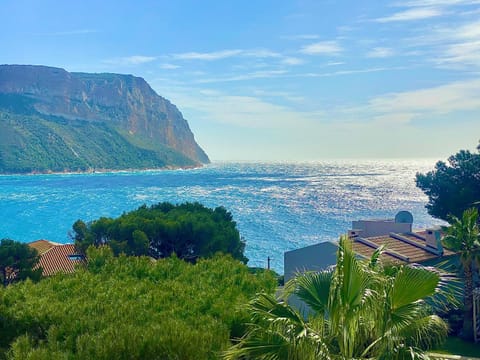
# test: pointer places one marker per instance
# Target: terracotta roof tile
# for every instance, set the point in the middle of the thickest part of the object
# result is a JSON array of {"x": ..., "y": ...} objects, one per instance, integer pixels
[
  {"x": 42, "y": 246},
  {"x": 60, "y": 258}
]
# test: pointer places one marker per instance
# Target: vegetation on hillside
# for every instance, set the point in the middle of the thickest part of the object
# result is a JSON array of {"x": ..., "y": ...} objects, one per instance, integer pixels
[
  {"x": 17, "y": 262},
  {"x": 130, "y": 308},
  {"x": 358, "y": 310},
  {"x": 189, "y": 230},
  {"x": 34, "y": 142}
]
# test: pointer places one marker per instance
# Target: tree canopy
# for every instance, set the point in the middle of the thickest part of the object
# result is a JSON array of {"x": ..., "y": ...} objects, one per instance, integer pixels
[
  {"x": 130, "y": 308},
  {"x": 453, "y": 186},
  {"x": 463, "y": 237},
  {"x": 190, "y": 230},
  {"x": 17, "y": 262}
]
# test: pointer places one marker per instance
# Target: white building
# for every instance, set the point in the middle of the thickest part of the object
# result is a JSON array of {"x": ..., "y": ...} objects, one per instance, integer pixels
[{"x": 402, "y": 245}]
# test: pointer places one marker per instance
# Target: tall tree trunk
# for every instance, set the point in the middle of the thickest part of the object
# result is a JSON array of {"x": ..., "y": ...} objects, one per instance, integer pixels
[{"x": 467, "y": 330}]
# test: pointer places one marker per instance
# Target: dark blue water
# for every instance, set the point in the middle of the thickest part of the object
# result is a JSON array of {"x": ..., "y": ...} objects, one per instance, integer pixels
[{"x": 278, "y": 206}]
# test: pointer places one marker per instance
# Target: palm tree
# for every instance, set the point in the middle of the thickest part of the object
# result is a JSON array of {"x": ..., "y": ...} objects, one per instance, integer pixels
[
  {"x": 357, "y": 310},
  {"x": 463, "y": 236}
]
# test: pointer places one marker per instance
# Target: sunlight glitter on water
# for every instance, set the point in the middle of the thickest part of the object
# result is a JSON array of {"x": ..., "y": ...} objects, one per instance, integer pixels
[{"x": 278, "y": 206}]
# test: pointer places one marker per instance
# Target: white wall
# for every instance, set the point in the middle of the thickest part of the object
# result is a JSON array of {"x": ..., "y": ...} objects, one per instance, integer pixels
[
  {"x": 311, "y": 258},
  {"x": 380, "y": 227}
]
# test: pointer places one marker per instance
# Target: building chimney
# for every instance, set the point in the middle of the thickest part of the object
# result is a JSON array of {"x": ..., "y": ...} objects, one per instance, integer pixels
[
  {"x": 354, "y": 233},
  {"x": 433, "y": 241}
]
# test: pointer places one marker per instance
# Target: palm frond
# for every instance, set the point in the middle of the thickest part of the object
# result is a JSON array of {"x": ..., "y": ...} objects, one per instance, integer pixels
[
  {"x": 314, "y": 289},
  {"x": 374, "y": 259},
  {"x": 412, "y": 284},
  {"x": 424, "y": 332},
  {"x": 351, "y": 275},
  {"x": 265, "y": 307},
  {"x": 260, "y": 345}
]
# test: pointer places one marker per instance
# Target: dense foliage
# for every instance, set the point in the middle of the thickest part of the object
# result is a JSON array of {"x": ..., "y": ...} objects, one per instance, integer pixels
[
  {"x": 357, "y": 310},
  {"x": 463, "y": 237},
  {"x": 130, "y": 308},
  {"x": 17, "y": 262},
  {"x": 189, "y": 230},
  {"x": 453, "y": 186},
  {"x": 34, "y": 142}
]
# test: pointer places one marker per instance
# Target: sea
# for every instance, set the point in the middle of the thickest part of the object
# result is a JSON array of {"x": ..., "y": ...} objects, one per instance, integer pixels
[{"x": 278, "y": 206}]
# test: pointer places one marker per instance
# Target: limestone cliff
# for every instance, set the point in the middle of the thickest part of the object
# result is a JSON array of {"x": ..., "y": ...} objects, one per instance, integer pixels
[{"x": 114, "y": 109}]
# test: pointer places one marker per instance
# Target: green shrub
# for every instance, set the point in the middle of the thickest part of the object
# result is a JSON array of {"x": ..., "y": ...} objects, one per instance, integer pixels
[{"x": 131, "y": 308}]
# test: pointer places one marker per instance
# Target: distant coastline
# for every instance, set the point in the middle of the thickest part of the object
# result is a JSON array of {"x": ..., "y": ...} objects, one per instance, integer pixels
[{"x": 103, "y": 171}]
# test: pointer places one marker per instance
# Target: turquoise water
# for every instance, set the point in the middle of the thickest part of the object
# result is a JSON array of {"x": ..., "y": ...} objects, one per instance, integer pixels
[{"x": 277, "y": 206}]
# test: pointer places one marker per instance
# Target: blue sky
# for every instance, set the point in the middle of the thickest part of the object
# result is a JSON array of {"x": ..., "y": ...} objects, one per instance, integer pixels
[{"x": 279, "y": 80}]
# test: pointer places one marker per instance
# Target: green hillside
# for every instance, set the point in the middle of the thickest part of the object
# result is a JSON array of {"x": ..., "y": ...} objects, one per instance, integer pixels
[
  {"x": 130, "y": 308},
  {"x": 34, "y": 142},
  {"x": 52, "y": 120}
]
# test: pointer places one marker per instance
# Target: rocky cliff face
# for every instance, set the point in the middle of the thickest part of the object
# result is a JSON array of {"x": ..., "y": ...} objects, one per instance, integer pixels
[{"x": 124, "y": 102}]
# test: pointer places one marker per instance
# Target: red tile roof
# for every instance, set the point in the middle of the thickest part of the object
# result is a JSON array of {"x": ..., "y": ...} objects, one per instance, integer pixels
[
  {"x": 42, "y": 246},
  {"x": 60, "y": 258}
]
